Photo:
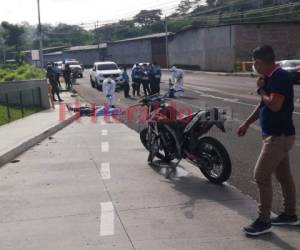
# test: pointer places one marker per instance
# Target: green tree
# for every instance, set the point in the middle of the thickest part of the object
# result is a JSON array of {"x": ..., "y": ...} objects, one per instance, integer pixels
[
  {"x": 64, "y": 34},
  {"x": 186, "y": 6},
  {"x": 211, "y": 3},
  {"x": 2, "y": 45},
  {"x": 13, "y": 35},
  {"x": 148, "y": 17}
]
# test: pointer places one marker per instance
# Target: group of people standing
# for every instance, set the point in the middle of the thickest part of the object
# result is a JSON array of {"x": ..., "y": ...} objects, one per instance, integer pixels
[
  {"x": 147, "y": 75},
  {"x": 54, "y": 85}
]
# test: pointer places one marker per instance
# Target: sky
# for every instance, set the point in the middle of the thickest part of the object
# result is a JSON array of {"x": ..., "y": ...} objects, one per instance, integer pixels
[{"x": 78, "y": 11}]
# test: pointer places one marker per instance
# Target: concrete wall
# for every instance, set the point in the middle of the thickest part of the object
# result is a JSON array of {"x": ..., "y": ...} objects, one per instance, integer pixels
[
  {"x": 210, "y": 49},
  {"x": 283, "y": 37},
  {"x": 86, "y": 57},
  {"x": 130, "y": 52},
  {"x": 34, "y": 93},
  {"x": 53, "y": 58}
]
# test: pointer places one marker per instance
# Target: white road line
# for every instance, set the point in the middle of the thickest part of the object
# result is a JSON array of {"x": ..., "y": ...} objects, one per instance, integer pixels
[
  {"x": 224, "y": 99},
  {"x": 104, "y": 147},
  {"x": 105, "y": 171},
  {"x": 107, "y": 219},
  {"x": 104, "y": 132}
]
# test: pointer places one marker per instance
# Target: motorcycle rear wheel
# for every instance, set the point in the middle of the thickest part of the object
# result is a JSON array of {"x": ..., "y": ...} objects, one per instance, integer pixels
[{"x": 215, "y": 160}]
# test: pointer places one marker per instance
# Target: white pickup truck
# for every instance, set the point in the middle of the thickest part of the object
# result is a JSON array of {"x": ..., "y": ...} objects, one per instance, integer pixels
[{"x": 102, "y": 70}]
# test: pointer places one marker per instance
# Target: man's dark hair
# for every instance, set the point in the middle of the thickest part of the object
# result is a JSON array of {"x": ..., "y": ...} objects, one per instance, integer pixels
[{"x": 264, "y": 53}]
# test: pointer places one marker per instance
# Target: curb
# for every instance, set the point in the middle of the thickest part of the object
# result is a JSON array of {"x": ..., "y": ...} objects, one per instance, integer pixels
[{"x": 24, "y": 146}]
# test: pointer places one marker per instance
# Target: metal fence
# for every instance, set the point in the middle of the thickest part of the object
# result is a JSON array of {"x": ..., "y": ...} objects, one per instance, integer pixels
[{"x": 20, "y": 103}]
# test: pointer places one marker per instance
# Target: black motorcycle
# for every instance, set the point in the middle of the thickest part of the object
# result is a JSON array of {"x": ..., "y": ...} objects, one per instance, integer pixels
[{"x": 170, "y": 137}]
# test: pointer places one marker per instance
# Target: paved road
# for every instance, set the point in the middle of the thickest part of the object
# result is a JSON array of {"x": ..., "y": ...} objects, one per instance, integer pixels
[
  {"x": 234, "y": 93},
  {"x": 238, "y": 88},
  {"x": 90, "y": 187}
]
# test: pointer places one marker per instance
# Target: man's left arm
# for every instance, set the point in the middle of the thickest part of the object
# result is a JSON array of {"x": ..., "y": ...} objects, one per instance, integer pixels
[{"x": 274, "y": 101}]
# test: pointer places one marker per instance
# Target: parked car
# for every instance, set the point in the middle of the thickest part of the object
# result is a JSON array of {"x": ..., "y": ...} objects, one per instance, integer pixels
[
  {"x": 75, "y": 66},
  {"x": 102, "y": 70},
  {"x": 292, "y": 66}
]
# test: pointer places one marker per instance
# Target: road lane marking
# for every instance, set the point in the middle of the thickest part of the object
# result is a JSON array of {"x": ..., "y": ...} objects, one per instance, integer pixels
[
  {"x": 232, "y": 100},
  {"x": 105, "y": 171},
  {"x": 107, "y": 219},
  {"x": 104, "y": 132},
  {"x": 104, "y": 147}
]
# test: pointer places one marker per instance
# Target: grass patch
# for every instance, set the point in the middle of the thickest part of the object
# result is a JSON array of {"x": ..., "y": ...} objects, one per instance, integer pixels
[
  {"x": 14, "y": 72},
  {"x": 16, "y": 113}
]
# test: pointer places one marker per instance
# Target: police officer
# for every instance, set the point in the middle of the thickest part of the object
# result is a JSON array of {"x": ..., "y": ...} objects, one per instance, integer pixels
[
  {"x": 125, "y": 78},
  {"x": 155, "y": 78},
  {"x": 145, "y": 79},
  {"x": 136, "y": 78},
  {"x": 51, "y": 76},
  {"x": 67, "y": 75}
]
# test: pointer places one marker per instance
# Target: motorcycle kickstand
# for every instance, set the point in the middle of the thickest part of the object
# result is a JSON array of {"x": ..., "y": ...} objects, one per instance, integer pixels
[{"x": 172, "y": 169}]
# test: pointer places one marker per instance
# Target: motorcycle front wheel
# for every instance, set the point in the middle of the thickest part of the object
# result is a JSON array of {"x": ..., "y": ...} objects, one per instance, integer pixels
[
  {"x": 214, "y": 160},
  {"x": 162, "y": 154}
]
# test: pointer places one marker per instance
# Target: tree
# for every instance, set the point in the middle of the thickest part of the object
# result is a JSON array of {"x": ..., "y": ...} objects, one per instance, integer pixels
[
  {"x": 13, "y": 35},
  {"x": 65, "y": 35},
  {"x": 184, "y": 7},
  {"x": 2, "y": 44},
  {"x": 211, "y": 3},
  {"x": 148, "y": 17}
]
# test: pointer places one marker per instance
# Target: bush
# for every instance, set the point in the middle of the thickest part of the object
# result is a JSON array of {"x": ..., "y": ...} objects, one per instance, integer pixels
[{"x": 13, "y": 72}]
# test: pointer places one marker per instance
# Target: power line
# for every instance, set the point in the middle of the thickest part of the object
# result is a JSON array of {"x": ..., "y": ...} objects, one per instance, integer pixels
[
  {"x": 209, "y": 18},
  {"x": 256, "y": 11},
  {"x": 241, "y": 1},
  {"x": 133, "y": 13}
]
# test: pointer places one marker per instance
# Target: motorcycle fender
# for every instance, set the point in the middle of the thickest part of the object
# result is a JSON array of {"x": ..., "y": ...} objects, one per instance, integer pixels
[{"x": 220, "y": 125}]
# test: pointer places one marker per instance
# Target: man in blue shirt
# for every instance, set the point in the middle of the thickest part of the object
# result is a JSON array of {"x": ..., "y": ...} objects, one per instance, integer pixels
[
  {"x": 155, "y": 77},
  {"x": 275, "y": 114},
  {"x": 125, "y": 78},
  {"x": 136, "y": 79}
]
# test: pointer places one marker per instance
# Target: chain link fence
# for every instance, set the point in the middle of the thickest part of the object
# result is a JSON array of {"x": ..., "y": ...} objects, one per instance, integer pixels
[{"x": 20, "y": 103}]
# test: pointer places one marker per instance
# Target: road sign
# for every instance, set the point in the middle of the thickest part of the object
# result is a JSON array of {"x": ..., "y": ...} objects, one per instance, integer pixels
[{"x": 35, "y": 55}]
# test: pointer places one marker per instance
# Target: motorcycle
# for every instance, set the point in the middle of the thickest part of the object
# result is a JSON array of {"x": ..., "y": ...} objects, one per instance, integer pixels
[{"x": 169, "y": 137}]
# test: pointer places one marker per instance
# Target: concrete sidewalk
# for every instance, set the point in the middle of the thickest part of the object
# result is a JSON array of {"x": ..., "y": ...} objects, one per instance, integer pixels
[
  {"x": 91, "y": 188},
  {"x": 18, "y": 136}
]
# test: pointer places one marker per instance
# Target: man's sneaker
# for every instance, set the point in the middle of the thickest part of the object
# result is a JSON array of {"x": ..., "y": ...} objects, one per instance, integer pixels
[
  {"x": 258, "y": 227},
  {"x": 284, "y": 219}
]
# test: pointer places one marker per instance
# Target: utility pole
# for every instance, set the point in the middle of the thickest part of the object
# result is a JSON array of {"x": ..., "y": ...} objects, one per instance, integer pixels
[
  {"x": 97, "y": 38},
  {"x": 167, "y": 42},
  {"x": 40, "y": 36},
  {"x": 3, "y": 50}
]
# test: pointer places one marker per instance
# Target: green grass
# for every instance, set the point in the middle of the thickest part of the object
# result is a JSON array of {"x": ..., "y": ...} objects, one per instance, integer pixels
[
  {"x": 16, "y": 113},
  {"x": 14, "y": 72}
]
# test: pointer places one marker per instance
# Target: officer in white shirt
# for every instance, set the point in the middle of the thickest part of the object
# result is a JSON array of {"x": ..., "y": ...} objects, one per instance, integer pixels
[
  {"x": 177, "y": 79},
  {"x": 109, "y": 88}
]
